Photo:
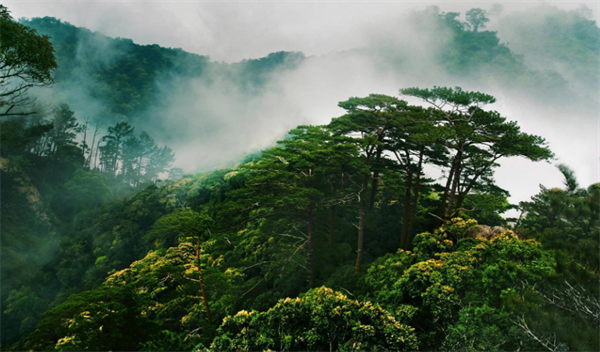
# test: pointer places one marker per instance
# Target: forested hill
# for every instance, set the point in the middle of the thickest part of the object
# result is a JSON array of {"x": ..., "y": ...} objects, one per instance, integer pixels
[
  {"x": 122, "y": 76},
  {"x": 194, "y": 104},
  {"x": 521, "y": 53},
  {"x": 565, "y": 42},
  {"x": 334, "y": 236}
]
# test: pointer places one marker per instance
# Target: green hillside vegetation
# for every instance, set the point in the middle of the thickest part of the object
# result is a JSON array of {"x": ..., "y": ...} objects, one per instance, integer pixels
[
  {"x": 542, "y": 56},
  {"x": 335, "y": 238},
  {"x": 567, "y": 42},
  {"x": 122, "y": 75}
]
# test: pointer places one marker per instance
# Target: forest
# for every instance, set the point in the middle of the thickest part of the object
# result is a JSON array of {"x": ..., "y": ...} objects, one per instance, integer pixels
[{"x": 383, "y": 229}]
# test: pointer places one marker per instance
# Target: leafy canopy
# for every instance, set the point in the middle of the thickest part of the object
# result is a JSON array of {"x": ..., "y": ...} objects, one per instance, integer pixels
[{"x": 27, "y": 60}]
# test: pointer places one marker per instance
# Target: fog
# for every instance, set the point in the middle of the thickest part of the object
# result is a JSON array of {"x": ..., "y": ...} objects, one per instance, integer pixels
[
  {"x": 233, "y": 31},
  {"x": 352, "y": 49}
]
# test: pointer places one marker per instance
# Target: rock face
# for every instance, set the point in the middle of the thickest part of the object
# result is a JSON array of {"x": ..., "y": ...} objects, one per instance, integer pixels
[
  {"x": 485, "y": 232},
  {"x": 27, "y": 189}
]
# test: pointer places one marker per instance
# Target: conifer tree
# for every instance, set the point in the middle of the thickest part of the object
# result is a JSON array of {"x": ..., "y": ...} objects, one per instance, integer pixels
[
  {"x": 291, "y": 180},
  {"x": 27, "y": 61},
  {"x": 112, "y": 151},
  {"x": 65, "y": 128},
  {"x": 368, "y": 122},
  {"x": 477, "y": 139}
]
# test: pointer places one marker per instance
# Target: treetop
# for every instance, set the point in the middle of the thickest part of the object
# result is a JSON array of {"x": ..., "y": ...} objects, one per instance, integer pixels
[{"x": 455, "y": 97}]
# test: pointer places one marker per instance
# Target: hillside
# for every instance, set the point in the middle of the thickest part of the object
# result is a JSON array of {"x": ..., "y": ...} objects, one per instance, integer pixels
[
  {"x": 317, "y": 236},
  {"x": 195, "y": 105},
  {"x": 120, "y": 76}
]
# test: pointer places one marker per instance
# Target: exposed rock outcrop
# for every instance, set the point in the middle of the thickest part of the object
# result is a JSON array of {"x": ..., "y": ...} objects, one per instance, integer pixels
[
  {"x": 28, "y": 190},
  {"x": 485, "y": 232}
]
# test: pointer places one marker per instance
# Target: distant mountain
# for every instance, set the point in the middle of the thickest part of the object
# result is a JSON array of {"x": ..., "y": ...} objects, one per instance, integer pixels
[
  {"x": 565, "y": 42},
  {"x": 122, "y": 75},
  {"x": 90, "y": 262},
  {"x": 548, "y": 53},
  {"x": 212, "y": 113}
]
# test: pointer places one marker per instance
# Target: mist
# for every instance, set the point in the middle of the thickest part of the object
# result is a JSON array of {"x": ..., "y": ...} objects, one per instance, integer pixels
[
  {"x": 212, "y": 121},
  {"x": 147, "y": 91}
]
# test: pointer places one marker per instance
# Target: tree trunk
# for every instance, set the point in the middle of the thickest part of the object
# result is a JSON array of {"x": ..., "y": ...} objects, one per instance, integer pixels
[
  {"x": 332, "y": 228},
  {"x": 361, "y": 224},
  {"x": 88, "y": 161},
  {"x": 405, "y": 216},
  {"x": 97, "y": 149},
  {"x": 115, "y": 162},
  {"x": 442, "y": 209},
  {"x": 84, "y": 146},
  {"x": 363, "y": 211},
  {"x": 311, "y": 263},
  {"x": 462, "y": 195},
  {"x": 43, "y": 146},
  {"x": 416, "y": 201},
  {"x": 455, "y": 182},
  {"x": 204, "y": 298},
  {"x": 139, "y": 173},
  {"x": 374, "y": 182},
  {"x": 373, "y": 190}
]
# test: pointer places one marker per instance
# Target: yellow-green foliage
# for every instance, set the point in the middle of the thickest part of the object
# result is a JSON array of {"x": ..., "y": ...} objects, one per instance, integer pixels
[
  {"x": 447, "y": 287},
  {"x": 320, "y": 320}
]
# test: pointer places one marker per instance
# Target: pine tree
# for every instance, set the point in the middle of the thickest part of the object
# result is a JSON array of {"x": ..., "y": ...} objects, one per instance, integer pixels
[{"x": 368, "y": 122}]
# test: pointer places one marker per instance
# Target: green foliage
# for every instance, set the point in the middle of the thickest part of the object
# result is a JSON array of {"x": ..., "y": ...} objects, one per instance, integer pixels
[
  {"x": 87, "y": 190},
  {"x": 320, "y": 320},
  {"x": 567, "y": 220},
  {"x": 477, "y": 18},
  {"x": 570, "y": 180},
  {"x": 291, "y": 183},
  {"x": 97, "y": 320},
  {"x": 477, "y": 139},
  {"x": 88, "y": 187},
  {"x": 455, "y": 96},
  {"x": 481, "y": 328},
  {"x": 114, "y": 232},
  {"x": 127, "y": 275},
  {"x": 27, "y": 61},
  {"x": 26, "y": 305},
  {"x": 183, "y": 224},
  {"x": 478, "y": 54},
  {"x": 458, "y": 292},
  {"x": 122, "y": 75},
  {"x": 112, "y": 151},
  {"x": 17, "y": 138},
  {"x": 87, "y": 267},
  {"x": 133, "y": 160},
  {"x": 440, "y": 284},
  {"x": 560, "y": 54},
  {"x": 26, "y": 244},
  {"x": 454, "y": 291},
  {"x": 159, "y": 292},
  {"x": 368, "y": 123},
  {"x": 565, "y": 41},
  {"x": 165, "y": 296},
  {"x": 58, "y": 236},
  {"x": 65, "y": 128}
]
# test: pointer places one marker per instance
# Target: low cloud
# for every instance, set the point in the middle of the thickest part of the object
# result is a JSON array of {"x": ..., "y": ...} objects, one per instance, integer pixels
[{"x": 353, "y": 49}]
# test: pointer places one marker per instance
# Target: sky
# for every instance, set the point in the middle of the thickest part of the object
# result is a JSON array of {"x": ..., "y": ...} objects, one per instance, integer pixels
[{"x": 233, "y": 31}]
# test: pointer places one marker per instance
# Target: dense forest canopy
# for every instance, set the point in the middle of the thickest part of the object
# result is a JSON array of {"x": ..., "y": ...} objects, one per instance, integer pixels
[{"x": 338, "y": 236}]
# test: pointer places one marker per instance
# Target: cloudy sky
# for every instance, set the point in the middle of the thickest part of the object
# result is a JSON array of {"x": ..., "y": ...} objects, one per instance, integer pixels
[
  {"x": 235, "y": 30},
  {"x": 232, "y": 31}
]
